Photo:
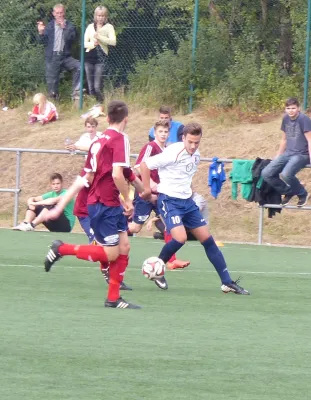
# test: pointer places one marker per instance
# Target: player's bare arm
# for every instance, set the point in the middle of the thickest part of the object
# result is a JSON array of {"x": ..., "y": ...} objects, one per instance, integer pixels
[
  {"x": 122, "y": 185},
  {"x": 145, "y": 176},
  {"x": 138, "y": 185}
]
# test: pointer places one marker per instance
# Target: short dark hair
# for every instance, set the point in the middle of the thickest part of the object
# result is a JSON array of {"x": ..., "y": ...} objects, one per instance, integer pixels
[
  {"x": 292, "y": 101},
  {"x": 165, "y": 110},
  {"x": 117, "y": 111},
  {"x": 193, "y": 129},
  {"x": 164, "y": 124},
  {"x": 56, "y": 176},
  {"x": 91, "y": 121}
]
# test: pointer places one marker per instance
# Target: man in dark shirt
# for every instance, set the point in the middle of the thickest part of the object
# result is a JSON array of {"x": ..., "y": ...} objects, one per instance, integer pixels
[
  {"x": 293, "y": 155},
  {"x": 57, "y": 37}
]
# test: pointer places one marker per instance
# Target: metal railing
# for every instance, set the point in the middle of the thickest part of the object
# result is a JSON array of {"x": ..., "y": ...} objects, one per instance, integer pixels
[{"x": 17, "y": 188}]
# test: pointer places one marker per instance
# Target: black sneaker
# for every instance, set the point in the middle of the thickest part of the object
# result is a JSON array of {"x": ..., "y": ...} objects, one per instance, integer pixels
[
  {"x": 123, "y": 286},
  {"x": 158, "y": 235},
  {"x": 286, "y": 199},
  {"x": 302, "y": 200},
  {"x": 234, "y": 287},
  {"x": 105, "y": 273},
  {"x": 120, "y": 303},
  {"x": 161, "y": 283},
  {"x": 53, "y": 255}
]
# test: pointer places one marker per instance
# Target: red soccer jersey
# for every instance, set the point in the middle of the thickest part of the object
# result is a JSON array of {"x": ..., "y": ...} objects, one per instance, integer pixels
[
  {"x": 112, "y": 149},
  {"x": 80, "y": 207},
  {"x": 150, "y": 149}
]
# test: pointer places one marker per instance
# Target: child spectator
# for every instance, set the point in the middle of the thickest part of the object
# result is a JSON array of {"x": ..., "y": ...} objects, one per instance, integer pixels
[{"x": 43, "y": 111}]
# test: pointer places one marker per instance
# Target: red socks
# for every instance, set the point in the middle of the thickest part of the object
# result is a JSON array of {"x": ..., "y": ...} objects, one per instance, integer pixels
[
  {"x": 168, "y": 238},
  {"x": 116, "y": 274},
  {"x": 88, "y": 252}
]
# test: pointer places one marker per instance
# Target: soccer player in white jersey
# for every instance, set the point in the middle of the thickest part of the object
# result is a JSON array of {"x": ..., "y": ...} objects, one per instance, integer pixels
[{"x": 176, "y": 166}]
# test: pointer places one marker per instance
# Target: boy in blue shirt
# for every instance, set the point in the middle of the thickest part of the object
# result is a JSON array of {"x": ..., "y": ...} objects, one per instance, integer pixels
[{"x": 175, "y": 128}]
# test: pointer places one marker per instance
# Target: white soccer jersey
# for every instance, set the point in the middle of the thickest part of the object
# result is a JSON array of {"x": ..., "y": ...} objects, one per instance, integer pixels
[{"x": 176, "y": 168}]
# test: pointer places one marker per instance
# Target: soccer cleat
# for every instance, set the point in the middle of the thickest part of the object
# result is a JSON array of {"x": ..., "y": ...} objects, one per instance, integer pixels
[
  {"x": 120, "y": 303},
  {"x": 105, "y": 273},
  {"x": 53, "y": 255},
  {"x": 161, "y": 283},
  {"x": 24, "y": 226},
  {"x": 302, "y": 200},
  {"x": 158, "y": 236},
  {"x": 234, "y": 287},
  {"x": 123, "y": 286},
  {"x": 177, "y": 264},
  {"x": 286, "y": 199}
]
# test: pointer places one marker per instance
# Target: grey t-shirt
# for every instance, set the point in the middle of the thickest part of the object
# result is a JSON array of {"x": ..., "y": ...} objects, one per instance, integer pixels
[{"x": 296, "y": 142}]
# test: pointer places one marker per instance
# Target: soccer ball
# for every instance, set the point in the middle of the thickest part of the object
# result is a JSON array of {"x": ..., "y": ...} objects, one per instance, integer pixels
[{"x": 153, "y": 268}]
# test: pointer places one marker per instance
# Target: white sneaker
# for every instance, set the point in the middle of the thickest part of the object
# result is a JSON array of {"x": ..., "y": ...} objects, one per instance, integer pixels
[{"x": 24, "y": 226}]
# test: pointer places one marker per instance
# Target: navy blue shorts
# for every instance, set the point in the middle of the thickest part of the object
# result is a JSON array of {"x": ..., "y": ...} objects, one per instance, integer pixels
[
  {"x": 143, "y": 209},
  {"x": 86, "y": 226},
  {"x": 106, "y": 223},
  {"x": 176, "y": 212}
]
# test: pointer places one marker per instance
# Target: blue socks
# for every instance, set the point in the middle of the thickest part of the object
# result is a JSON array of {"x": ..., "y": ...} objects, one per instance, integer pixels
[
  {"x": 169, "y": 249},
  {"x": 217, "y": 259}
]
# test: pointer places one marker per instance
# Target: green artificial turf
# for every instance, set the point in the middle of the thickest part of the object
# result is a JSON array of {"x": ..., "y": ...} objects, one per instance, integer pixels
[{"x": 58, "y": 342}]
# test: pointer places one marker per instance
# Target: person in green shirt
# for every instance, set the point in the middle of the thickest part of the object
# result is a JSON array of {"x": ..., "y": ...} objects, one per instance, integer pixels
[{"x": 39, "y": 205}]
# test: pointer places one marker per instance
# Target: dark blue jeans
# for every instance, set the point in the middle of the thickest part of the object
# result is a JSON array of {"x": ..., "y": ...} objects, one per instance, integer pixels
[
  {"x": 95, "y": 77},
  {"x": 53, "y": 68},
  {"x": 280, "y": 174}
]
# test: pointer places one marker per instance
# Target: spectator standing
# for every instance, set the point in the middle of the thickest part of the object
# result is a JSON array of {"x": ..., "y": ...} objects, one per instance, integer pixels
[
  {"x": 38, "y": 206},
  {"x": 98, "y": 36},
  {"x": 58, "y": 37},
  {"x": 43, "y": 111},
  {"x": 176, "y": 128},
  {"x": 293, "y": 155}
]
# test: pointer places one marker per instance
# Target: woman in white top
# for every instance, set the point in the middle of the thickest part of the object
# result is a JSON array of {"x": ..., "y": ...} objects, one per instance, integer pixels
[{"x": 98, "y": 36}]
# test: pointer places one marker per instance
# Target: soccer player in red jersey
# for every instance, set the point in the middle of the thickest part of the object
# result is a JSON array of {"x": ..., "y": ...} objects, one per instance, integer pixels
[
  {"x": 104, "y": 167},
  {"x": 143, "y": 208}
]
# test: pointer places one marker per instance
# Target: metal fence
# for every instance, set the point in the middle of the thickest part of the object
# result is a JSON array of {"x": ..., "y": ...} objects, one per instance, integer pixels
[
  {"x": 17, "y": 189},
  {"x": 248, "y": 53}
]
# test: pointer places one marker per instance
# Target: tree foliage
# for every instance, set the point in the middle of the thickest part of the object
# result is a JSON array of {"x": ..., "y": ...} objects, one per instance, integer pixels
[{"x": 249, "y": 53}]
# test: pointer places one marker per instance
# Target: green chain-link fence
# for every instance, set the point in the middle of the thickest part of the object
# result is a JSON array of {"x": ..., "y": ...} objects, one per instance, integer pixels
[
  {"x": 144, "y": 29},
  {"x": 250, "y": 54}
]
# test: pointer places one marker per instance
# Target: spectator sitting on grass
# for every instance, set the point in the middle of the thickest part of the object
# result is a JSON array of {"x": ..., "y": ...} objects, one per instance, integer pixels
[
  {"x": 39, "y": 205},
  {"x": 43, "y": 111}
]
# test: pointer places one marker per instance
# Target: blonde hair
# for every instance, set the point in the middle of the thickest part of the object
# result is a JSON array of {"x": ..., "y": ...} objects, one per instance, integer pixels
[
  {"x": 40, "y": 99},
  {"x": 101, "y": 8},
  {"x": 59, "y": 5}
]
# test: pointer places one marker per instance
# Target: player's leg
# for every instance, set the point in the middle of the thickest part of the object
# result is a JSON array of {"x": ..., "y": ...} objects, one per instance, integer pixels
[
  {"x": 142, "y": 211},
  {"x": 195, "y": 223},
  {"x": 118, "y": 267},
  {"x": 173, "y": 262},
  {"x": 103, "y": 224},
  {"x": 171, "y": 211},
  {"x": 86, "y": 226}
]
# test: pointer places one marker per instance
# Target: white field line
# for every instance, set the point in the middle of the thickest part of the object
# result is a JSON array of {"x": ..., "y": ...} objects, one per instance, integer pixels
[{"x": 196, "y": 270}]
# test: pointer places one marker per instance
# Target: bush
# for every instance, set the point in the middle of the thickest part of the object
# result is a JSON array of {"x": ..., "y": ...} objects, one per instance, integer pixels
[{"x": 163, "y": 78}]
